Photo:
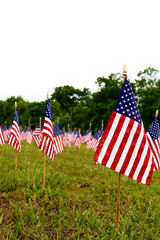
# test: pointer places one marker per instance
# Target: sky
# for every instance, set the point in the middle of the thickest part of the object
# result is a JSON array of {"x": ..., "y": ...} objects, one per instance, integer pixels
[{"x": 47, "y": 44}]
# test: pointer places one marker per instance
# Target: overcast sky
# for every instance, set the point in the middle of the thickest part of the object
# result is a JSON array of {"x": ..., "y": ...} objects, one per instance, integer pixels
[{"x": 46, "y": 44}]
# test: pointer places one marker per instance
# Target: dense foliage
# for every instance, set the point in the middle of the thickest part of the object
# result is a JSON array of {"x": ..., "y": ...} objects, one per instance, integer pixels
[{"x": 79, "y": 107}]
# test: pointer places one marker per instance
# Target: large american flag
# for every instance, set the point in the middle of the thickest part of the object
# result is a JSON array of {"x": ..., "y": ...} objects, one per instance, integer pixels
[
  {"x": 47, "y": 133},
  {"x": 2, "y": 140},
  {"x": 14, "y": 137},
  {"x": 153, "y": 136},
  {"x": 124, "y": 146},
  {"x": 58, "y": 139}
]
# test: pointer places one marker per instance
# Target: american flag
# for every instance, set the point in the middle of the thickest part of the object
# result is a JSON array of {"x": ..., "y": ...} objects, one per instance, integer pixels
[
  {"x": 5, "y": 131},
  {"x": 77, "y": 142},
  {"x": 2, "y": 140},
  {"x": 88, "y": 135},
  {"x": 29, "y": 135},
  {"x": 58, "y": 139},
  {"x": 124, "y": 146},
  {"x": 95, "y": 141},
  {"x": 14, "y": 138},
  {"x": 37, "y": 136},
  {"x": 101, "y": 133},
  {"x": 47, "y": 133},
  {"x": 153, "y": 136},
  {"x": 67, "y": 139}
]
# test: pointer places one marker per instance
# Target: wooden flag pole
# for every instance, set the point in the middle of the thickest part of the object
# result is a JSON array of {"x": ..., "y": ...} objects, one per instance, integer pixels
[
  {"x": 119, "y": 174},
  {"x": 16, "y": 148},
  {"x": 44, "y": 170}
]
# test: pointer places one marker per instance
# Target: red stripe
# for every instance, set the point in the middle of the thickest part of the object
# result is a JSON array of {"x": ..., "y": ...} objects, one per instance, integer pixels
[{"x": 148, "y": 180}]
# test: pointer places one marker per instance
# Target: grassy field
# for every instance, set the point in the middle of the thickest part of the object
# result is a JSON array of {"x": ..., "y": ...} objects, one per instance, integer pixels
[{"x": 79, "y": 201}]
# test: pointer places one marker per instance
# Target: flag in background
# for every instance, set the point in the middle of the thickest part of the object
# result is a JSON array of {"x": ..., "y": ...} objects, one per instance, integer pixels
[
  {"x": 58, "y": 139},
  {"x": 47, "y": 133},
  {"x": 29, "y": 135},
  {"x": 77, "y": 142},
  {"x": 153, "y": 135},
  {"x": 95, "y": 141},
  {"x": 5, "y": 132},
  {"x": 37, "y": 134},
  {"x": 2, "y": 139},
  {"x": 14, "y": 138},
  {"x": 124, "y": 146}
]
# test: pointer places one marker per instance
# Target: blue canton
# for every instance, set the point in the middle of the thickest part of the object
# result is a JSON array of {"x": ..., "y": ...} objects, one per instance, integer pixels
[
  {"x": 48, "y": 111},
  {"x": 96, "y": 135},
  {"x": 56, "y": 130},
  {"x": 101, "y": 132},
  {"x": 154, "y": 130},
  {"x": 126, "y": 104},
  {"x": 16, "y": 117}
]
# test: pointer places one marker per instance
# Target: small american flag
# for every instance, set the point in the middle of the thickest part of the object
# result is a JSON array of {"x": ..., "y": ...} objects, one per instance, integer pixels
[
  {"x": 124, "y": 146},
  {"x": 153, "y": 135},
  {"x": 47, "y": 133},
  {"x": 29, "y": 135},
  {"x": 58, "y": 139},
  {"x": 5, "y": 131},
  {"x": 2, "y": 140},
  {"x": 77, "y": 142},
  {"x": 95, "y": 141},
  {"x": 14, "y": 138},
  {"x": 37, "y": 136}
]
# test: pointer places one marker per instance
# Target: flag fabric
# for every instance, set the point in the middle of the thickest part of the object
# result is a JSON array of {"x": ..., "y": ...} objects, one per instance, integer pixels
[
  {"x": 58, "y": 139},
  {"x": 88, "y": 135},
  {"x": 37, "y": 136},
  {"x": 29, "y": 135},
  {"x": 47, "y": 133},
  {"x": 5, "y": 132},
  {"x": 153, "y": 136},
  {"x": 95, "y": 141},
  {"x": 2, "y": 139},
  {"x": 124, "y": 146},
  {"x": 77, "y": 142},
  {"x": 101, "y": 133},
  {"x": 14, "y": 138}
]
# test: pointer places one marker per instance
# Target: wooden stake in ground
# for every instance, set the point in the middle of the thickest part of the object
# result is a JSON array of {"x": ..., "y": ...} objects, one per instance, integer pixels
[
  {"x": 15, "y": 148},
  {"x": 119, "y": 174},
  {"x": 44, "y": 170}
]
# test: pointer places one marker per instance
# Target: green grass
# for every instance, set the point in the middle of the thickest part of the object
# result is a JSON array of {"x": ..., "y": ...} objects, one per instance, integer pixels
[{"x": 79, "y": 201}]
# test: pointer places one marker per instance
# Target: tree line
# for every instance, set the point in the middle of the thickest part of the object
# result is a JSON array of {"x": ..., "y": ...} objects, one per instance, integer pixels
[{"x": 79, "y": 108}]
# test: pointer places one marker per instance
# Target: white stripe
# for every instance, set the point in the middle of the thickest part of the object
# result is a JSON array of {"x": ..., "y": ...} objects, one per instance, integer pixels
[
  {"x": 127, "y": 146},
  {"x": 118, "y": 142},
  {"x": 109, "y": 137}
]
